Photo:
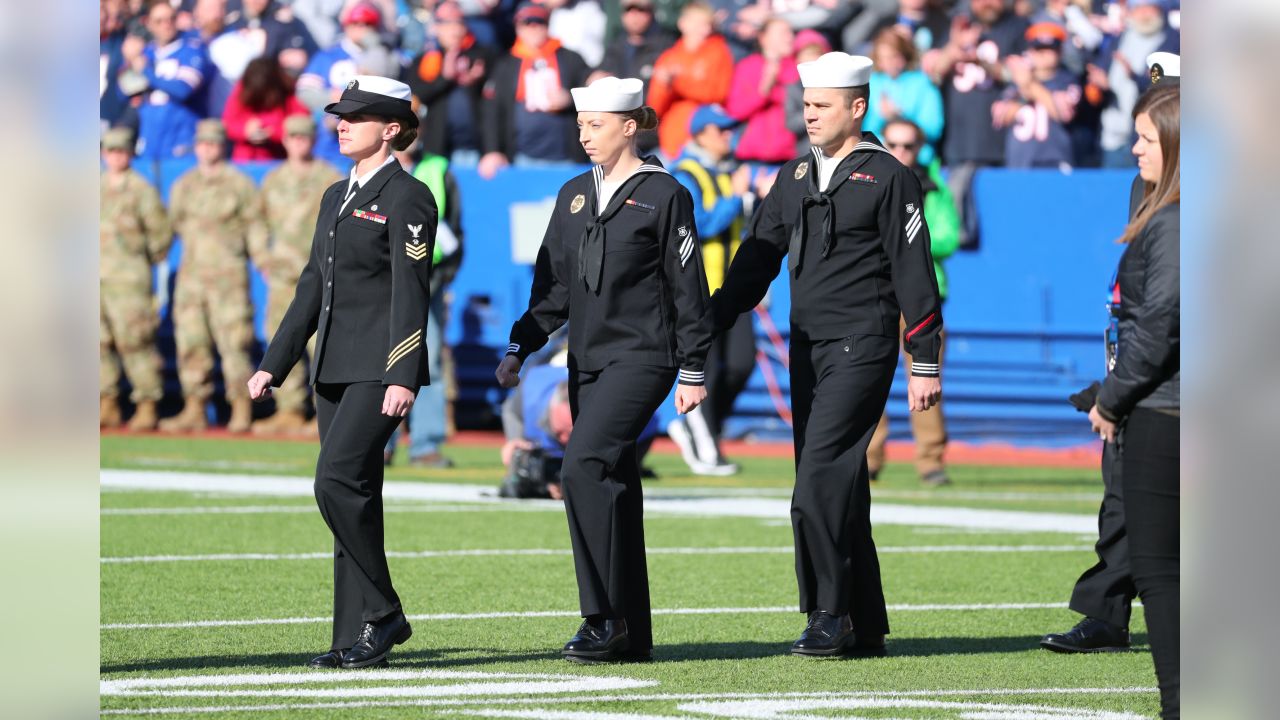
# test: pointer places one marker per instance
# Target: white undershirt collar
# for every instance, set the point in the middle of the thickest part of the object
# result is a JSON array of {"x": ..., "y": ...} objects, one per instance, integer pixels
[{"x": 354, "y": 183}]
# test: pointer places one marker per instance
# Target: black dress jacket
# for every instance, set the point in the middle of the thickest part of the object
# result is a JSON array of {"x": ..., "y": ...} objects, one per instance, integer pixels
[{"x": 366, "y": 288}]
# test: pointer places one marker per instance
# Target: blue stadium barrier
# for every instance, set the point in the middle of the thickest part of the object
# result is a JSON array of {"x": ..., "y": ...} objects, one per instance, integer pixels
[{"x": 1024, "y": 319}]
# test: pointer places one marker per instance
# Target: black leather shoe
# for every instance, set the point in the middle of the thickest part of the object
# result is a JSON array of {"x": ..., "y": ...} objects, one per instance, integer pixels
[
  {"x": 825, "y": 635},
  {"x": 331, "y": 660},
  {"x": 599, "y": 640},
  {"x": 1090, "y": 635},
  {"x": 376, "y": 640},
  {"x": 867, "y": 646}
]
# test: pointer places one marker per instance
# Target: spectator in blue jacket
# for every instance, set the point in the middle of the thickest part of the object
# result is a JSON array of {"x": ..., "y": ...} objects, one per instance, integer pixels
[
  {"x": 168, "y": 76},
  {"x": 899, "y": 89}
]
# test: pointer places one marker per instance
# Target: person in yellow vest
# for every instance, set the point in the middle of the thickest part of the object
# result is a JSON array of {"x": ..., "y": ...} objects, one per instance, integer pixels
[
  {"x": 722, "y": 202},
  {"x": 429, "y": 424}
]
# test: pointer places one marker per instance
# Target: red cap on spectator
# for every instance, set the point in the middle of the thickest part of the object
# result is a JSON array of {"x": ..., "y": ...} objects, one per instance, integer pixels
[
  {"x": 449, "y": 11},
  {"x": 364, "y": 13},
  {"x": 536, "y": 13},
  {"x": 1045, "y": 35},
  {"x": 805, "y": 38}
]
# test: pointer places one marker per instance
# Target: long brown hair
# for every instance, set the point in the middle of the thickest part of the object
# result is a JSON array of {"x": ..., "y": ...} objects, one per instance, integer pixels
[
  {"x": 1161, "y": 104},
  {"x": 265, "y": 85}
]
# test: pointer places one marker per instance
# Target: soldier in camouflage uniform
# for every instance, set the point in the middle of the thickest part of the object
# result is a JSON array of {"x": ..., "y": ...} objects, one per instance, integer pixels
[
  {"x": 292, "y": 194},
  {"x": 134, "y": 235},
  {"x": 217, "y": 212}
]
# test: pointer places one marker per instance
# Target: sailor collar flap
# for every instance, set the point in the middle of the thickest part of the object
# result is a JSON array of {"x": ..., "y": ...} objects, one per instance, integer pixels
[
  {"x": 591, "y": 244},
  {"x": 847, "y": 166}
]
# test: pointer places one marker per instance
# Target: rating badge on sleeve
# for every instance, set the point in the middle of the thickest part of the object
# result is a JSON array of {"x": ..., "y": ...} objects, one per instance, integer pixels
[{"x": 415, "y": 248}]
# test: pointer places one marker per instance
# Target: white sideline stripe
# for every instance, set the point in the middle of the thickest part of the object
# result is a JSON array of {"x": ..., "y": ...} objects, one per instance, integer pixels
[
  {"x": 881, "y": 513},
  {"x": 292, "y": 509},
  {"x": 520, "y": 552},
  {"x": 655, "y": 697},
  {"x": 566, "y": 614}
]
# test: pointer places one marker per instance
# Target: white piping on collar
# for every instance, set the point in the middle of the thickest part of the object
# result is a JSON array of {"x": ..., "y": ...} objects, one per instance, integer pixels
[{"x": 597, "y": 179}]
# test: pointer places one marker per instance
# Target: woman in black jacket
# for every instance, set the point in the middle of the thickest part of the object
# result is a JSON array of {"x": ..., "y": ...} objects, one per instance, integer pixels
[
  {"x": 620, "y": 263},
  {"x": 1140, "y": 397},
  {"x": 364, "y": 295}
]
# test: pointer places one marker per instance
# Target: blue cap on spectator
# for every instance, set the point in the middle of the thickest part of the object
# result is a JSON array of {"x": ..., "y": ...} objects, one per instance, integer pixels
[
  {"x": 1163, "y": 4},
  {"x": 710, "y": 115}
]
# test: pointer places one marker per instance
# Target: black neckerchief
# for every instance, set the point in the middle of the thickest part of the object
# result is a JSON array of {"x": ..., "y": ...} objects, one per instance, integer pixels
[
  {"x": 591, "y": 244},
  {"x": 861, "y": 154}
]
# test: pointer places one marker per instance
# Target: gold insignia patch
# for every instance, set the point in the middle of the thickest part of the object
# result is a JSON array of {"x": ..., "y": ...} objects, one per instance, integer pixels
[
  {"x": 1157, "y": 73},
  {"x": 578, "y": 202},
  {"x": 801, "y": 170}
]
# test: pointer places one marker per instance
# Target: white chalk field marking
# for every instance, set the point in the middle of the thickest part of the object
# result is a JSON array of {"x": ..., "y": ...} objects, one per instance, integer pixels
[
  {"x": 440, "y": 617},
  {"x": 292, "y": 509},
  {"x": 525, "y": 552},
  {"x": 657, "y": 503},
  {"x": 639, "y": 697}
]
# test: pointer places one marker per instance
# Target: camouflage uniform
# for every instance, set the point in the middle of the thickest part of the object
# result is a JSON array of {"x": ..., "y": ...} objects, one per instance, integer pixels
[
  {"x": 134, "y": 235},
  {"x": 292, "y": 198},
  {"x": 218, "y": 214}
]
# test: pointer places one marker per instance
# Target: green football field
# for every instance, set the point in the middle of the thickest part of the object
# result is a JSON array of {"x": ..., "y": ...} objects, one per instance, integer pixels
[{"x": 216, "y": 589}]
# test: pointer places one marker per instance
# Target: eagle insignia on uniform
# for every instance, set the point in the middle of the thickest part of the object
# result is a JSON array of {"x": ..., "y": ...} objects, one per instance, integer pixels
[
  {"x": 353, "y": 85},
  {"x": 1157, "y": 73},
  {"x": 911, "y": 208},
  {"x": 415, "y": 250},
  {"x": 801, "y": 169},
  {"x": 578, "y": 201},
  {"x": 682, "y": 231}
]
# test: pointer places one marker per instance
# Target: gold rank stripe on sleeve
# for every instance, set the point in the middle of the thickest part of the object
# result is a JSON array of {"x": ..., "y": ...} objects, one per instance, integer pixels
[
  {"x": 415, "y": 252},
  {"x": 404, "y": 348}
]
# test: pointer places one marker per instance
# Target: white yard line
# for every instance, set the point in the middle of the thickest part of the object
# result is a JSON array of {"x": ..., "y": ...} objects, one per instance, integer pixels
[
  {"x": 441, "y": 617},
  {"x": 657, "y": 503},
  {"x": 523, "y": 552},
  {"x": 794, "y": 697}
]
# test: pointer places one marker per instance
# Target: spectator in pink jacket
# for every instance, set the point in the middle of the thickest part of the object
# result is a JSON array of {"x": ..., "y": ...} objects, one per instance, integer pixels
[
  {"x": 758, "y": 97},
  {"x": 255, "y": 111}
]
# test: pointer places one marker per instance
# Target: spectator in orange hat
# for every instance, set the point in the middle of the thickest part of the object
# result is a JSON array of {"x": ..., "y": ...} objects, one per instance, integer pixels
[
  {"x": 1039, "y": 102},
  {"x": 696, "y": 71}
]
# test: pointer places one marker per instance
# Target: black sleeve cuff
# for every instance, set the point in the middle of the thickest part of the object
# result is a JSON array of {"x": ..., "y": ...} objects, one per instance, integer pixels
[{"x": 691, "y": 377}]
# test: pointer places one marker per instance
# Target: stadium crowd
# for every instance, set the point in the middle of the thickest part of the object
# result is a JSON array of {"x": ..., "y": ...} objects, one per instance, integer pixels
[{"x": 968, "y": 83}]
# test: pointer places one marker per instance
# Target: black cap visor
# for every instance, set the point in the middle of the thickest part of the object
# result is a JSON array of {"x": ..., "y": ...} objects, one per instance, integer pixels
[{"x": 360, "y": 102}]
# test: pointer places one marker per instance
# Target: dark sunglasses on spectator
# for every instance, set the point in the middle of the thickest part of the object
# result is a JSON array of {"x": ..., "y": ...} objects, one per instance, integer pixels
[
  {"x": 895, "y": 146},
  {"x": 640, "y": 8},
  {"x": 533, "y": 21}
]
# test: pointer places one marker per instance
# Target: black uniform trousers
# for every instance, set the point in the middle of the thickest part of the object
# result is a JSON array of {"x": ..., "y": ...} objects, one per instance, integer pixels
[
  {"x": 838, "y": 392},
  {"x": 601, "y": 482},
  {"x": 730, "y": 362},
  {"x": 1151, "y": 472},
  {"x": 1105, "y": 591},
  {"x": 348, "y": 489}
]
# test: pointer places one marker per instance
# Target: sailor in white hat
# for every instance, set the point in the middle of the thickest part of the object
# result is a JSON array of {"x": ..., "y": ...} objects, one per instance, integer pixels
[
  {"x": 621, "y": 263},
  {"x": 849, "y": 219},
  {"x": 364, "y": 294}
]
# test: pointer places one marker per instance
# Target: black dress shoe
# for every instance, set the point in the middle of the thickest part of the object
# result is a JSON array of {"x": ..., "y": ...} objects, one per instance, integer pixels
[
  {"x": 599, "y": 640},
  {"x": 867, "y": 646},
  {"x": 331, "y": 660},
  {"x": 825, "y": 635},
  {"x": 376, "y": 640},
  {"x": 1090, "y": 635}
]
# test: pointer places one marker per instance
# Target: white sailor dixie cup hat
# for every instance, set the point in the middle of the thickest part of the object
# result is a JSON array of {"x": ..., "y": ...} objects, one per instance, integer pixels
[
  {"x": 836, "y": 70},
  {"x": 374, "y": 95},
  {"x": 1165, "y": 68},
  {"x": 609, "y": 94}
]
